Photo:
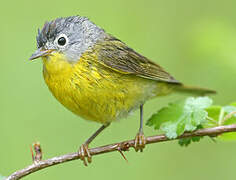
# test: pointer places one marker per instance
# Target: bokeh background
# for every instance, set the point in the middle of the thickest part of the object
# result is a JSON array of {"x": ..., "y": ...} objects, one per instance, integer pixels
[{"x": 194, "y": 40}]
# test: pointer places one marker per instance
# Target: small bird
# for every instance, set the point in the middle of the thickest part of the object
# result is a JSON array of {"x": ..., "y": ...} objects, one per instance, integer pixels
[{"x": 98, "y": 77}]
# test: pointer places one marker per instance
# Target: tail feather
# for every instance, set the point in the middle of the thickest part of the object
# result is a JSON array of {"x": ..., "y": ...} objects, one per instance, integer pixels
[{"x": 194, "y": 90}]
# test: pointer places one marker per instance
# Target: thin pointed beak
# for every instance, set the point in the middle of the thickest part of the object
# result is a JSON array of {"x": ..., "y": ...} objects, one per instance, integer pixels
[{"x": 41, "y": 53}]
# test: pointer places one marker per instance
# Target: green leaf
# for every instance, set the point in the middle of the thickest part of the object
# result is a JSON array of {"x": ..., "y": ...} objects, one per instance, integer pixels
[
  {"x": 213, "y": 114},
  {"x": 231, "y": 120},
  {"x": 2, "y": 177},
  {"x": 229, "y": 109},
  {"x": 187, "y": 141},
  {"x": 181, "y": 116},
  {"x": 215, "y": 111}
]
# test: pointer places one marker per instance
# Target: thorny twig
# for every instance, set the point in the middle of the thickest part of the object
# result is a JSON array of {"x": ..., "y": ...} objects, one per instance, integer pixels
[{"x": 121, "y": 146}]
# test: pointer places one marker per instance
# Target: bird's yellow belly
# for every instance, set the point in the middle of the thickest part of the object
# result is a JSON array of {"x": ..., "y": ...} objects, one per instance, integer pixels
[{"x": 95, "y": 92}]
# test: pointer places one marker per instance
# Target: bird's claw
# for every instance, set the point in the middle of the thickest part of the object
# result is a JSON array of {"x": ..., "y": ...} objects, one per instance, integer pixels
[
  {"x": 85, "y": 154},
  {"x": 139, "y": 142}
]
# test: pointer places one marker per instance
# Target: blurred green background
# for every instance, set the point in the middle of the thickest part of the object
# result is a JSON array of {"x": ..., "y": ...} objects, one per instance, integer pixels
[{"x": 194, "y": 40}]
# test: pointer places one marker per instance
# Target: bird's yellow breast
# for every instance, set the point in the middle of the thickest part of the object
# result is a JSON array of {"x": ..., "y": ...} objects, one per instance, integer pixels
[{"x": 94, "y": 91}]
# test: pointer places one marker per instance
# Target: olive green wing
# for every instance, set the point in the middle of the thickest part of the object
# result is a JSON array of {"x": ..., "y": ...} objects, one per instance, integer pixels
[{"x": 115, "y": 54}]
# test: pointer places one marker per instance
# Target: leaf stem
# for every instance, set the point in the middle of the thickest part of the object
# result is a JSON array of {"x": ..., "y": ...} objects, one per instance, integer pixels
[
  {"x": 228, "y": 116},
  {"x": 212, "y": 120},
  {"x": 221, "y": 117}
]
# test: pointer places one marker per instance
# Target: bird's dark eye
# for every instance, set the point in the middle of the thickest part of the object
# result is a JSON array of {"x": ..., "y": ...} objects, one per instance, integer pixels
[{"x": 61, "y": 41}]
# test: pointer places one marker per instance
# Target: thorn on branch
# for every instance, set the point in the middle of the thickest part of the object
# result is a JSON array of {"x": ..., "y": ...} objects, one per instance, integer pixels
[
  {"x": 120, "y": 146},
  {"x": 36, "y": 152},
  {"x": 123, "y": 147}
]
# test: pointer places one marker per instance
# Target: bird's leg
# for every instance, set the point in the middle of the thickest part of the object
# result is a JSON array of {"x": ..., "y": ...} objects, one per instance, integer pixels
[
  {"x": 140, "y": 140},
  {"x": 83, "y": 150}
]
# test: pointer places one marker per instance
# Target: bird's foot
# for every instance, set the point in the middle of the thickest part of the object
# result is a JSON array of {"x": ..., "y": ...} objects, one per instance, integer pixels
[
  {"x": 139, "y": 142},
  {"x": 84, "y": 154}
]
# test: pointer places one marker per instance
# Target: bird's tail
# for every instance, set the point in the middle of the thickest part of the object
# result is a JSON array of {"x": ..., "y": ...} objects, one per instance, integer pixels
[{"x": 194, "y": 90}]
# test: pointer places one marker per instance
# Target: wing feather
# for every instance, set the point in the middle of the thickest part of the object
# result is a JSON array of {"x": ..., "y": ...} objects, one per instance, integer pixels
[{"x": 115, "y": 54}]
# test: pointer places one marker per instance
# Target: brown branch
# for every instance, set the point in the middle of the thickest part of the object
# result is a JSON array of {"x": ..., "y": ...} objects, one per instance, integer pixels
[{"x": 121, "y": 146}]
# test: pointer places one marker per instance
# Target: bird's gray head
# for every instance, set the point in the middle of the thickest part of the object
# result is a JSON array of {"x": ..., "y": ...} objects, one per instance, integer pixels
[{"x": 71, "y": 36}]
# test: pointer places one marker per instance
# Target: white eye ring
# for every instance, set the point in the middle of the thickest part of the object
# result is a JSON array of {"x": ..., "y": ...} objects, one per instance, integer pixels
[{"x": 62, "y": 40}]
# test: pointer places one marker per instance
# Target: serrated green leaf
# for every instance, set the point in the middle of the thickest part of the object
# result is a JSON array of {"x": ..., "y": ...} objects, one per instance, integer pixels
[
  {"x": 181, "y": 116},
  {"x": 187, "y": 141},
  {"x": 184, "y": 142},
  {"x": 163, "y": 115}
]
